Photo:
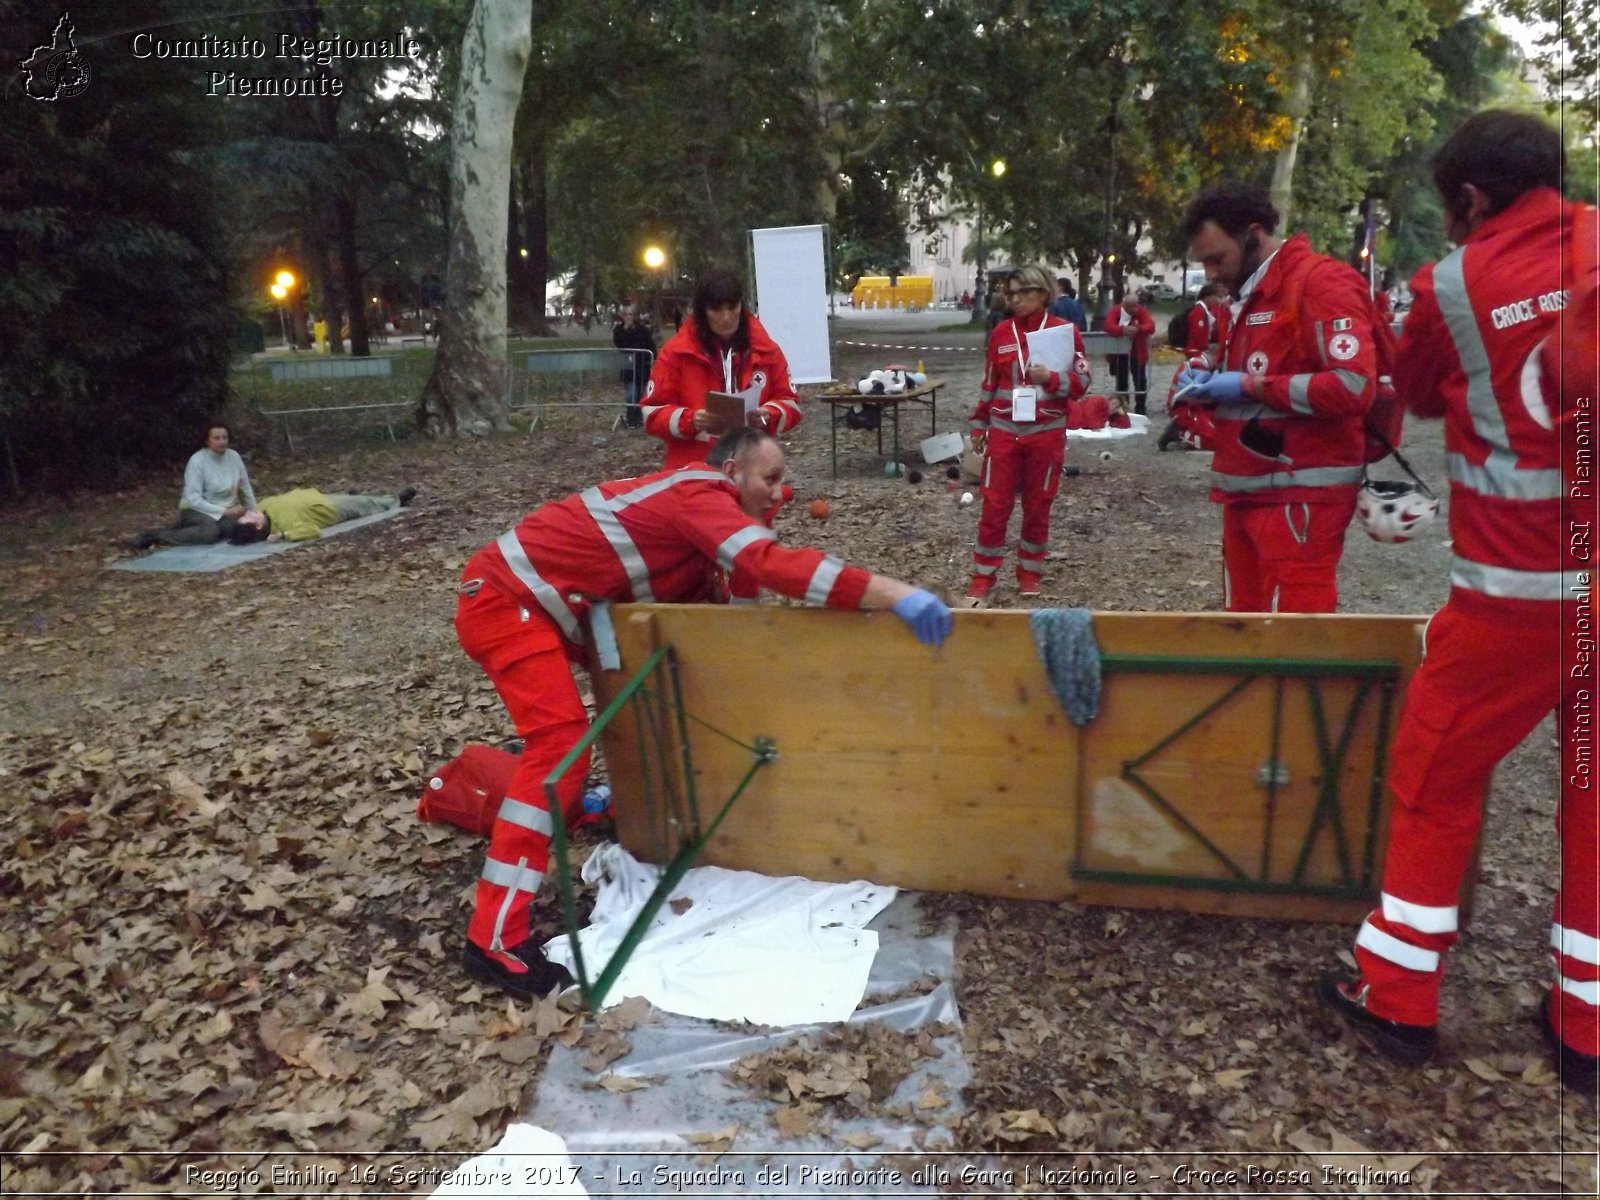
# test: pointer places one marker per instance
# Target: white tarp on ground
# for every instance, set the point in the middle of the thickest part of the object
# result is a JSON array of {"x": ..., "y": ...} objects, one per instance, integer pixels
[
  {"x": 641, "y": 1143},
  {"x": 219, "y": 556},
  {"x": 792, "y": 292},
  {"x": 733, "y": 945},
  {"x": 1138, "y": 426}
]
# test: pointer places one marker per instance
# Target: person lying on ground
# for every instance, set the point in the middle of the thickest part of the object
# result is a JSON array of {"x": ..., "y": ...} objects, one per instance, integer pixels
[
  {"x": 216, "y": 492},
  {"x": 665, "y": 537},
  {"x": 302, "y": 514}
]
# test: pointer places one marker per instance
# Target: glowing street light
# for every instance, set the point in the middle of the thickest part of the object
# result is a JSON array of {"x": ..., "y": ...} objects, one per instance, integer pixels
[
  {"x": 979, "y": 305},
  {"x": 280, "y": 292},
  {"x": 655, "y": 257},
  {"x": 284, "y": 279}
]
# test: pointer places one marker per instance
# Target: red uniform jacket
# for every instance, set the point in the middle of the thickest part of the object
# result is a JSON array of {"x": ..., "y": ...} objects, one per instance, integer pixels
[
  {"x": 657, "y": 538},
  {"x": 1209, "y": 323},
  {"x": 685, "y": 371},
  {"x": 1140, "y": 325},
  {"x": 1469, "y": 352},
  {"x": 1007, "y": 368},
  {"x": 1304, "y": 339}
]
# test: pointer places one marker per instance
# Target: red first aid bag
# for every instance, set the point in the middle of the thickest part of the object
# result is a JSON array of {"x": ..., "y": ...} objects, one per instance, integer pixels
[{"x": 467, "y": 790}]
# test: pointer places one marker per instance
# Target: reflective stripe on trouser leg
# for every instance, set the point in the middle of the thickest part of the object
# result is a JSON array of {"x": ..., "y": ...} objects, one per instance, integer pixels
[
  {"x": 1484, "y": 685},
  {"x": 1575, "y": 935},
  {"x": 527, "y": 664},
  {"x": 1002, "y": 476},
  {"x": 1042, "y": 455}
]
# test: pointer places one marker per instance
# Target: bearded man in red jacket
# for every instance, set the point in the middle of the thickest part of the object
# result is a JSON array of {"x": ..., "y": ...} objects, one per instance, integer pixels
[
  {"x": 1289, "y": 405},
  {"x": 662, "y": 538}
]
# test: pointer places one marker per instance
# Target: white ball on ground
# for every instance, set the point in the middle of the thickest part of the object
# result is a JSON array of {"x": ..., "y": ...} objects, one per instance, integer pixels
[
  {"x": 966, "y": 498},
  {"x": 1105, "y": 456}
]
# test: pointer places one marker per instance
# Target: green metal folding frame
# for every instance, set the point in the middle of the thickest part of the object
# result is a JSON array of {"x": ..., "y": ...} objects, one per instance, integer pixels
[
  {"x": 1355, "y": 877},
  {"x": 677, "y": 831}
]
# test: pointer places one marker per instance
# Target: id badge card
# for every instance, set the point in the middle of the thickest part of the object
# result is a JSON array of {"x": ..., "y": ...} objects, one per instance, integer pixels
[{"x": 1024, "y": 404}]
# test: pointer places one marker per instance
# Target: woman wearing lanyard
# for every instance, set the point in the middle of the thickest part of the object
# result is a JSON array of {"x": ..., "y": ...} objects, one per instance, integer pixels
[
  {"x": 1020, "y": 427},
  {"x": 721, "y": 348}
]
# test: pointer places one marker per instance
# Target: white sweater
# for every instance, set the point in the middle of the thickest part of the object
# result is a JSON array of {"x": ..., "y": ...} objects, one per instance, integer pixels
[{"x": 214, "y": 482}]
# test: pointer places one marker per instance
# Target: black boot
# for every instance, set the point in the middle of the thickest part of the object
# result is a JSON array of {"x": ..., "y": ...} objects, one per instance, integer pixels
[
  {"x": 1169, "y": 436},
  {"x": 539, "y": 980}
]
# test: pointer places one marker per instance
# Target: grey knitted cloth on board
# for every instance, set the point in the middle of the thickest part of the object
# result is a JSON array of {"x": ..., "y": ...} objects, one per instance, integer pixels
[{"x": 1064, "y": 638}]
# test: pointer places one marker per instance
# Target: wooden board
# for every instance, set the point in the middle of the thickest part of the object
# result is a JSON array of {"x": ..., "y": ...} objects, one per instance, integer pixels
[{"x": 957, "y": 770}]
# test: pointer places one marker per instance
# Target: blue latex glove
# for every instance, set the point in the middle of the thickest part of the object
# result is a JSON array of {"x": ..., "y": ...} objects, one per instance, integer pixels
[
  {"x": 1189, "y": 377},
  {"x": 927, "y": 615},
  {"x": 1219, "y": 387}
]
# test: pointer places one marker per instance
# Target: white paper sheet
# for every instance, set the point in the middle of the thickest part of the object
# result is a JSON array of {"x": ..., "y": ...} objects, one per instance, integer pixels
[
  {"x": 1053, "y": 347},
  {"x": 744, "y": 947}
]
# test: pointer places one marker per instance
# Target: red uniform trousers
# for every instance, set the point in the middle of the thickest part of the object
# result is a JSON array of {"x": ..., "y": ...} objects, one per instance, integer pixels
[
  {"x": 525, "y": 657},
  {"x": 1484, "y": 685},
  {"x": 1283, "y": 556},
  {"x": 1011, "y": 464}
]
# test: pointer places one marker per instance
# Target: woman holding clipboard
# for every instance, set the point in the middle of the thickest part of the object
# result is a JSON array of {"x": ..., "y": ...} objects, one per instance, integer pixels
[
  {"x": 1020, "y": 428},
  {"x": 721, "y": 348}
]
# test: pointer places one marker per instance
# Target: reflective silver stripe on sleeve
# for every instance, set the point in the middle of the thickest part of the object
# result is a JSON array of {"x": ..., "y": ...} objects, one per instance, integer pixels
[
  {"x": 678, "y": 418},
  {"x": 1499, "y": 475},
  {"x": 823, "y": 579},
  {"x": 1402, "y": 954},
  {"x": 1300, "y": 394},
  {"x": 1354, "y": 381},
  {"x": 519, "y": 878},
  {"x": 1587, "y": 990},
  {"x": 1515, "y": 585},
  {"x": 1322, "y": 344},
  {"x": 734, "y": 543},
  {"x": 525, "y": 815},
  {"x": 633, "y": 564},
  {"x": 549, "y": 599},
  {"x": 1496, "y": 478},
  {"x": 1310, "y": 477},
  {"x": 1575, "y": 944},
  {"x": 1424, "y": 918}
]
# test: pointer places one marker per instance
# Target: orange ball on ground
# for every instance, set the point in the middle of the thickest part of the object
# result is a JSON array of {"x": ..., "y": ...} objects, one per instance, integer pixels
[{"x": 820, "y": 510}]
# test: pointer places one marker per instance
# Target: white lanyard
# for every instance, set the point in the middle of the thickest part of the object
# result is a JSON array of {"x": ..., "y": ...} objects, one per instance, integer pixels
[{"x": 727, "y": 370}]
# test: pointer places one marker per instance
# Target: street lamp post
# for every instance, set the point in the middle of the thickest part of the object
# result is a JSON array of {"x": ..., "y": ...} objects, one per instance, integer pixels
[
  {"x": 1108, "y": 256},
  {"x": 655, "y": 258},
  {"x": 282, "y": 284},
  {"x": 980, "y": 301}
]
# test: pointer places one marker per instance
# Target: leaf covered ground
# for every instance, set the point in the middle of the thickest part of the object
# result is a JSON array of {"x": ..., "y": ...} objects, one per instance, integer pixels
[{"x": 225, "y": 932}]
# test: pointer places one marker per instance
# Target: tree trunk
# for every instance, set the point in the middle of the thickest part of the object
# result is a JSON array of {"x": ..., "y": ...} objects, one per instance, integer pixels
[
  {"x": 1299, "y": 103},
  {"x": 344, "y": 213},
  {"x": 466, "y": 394}
]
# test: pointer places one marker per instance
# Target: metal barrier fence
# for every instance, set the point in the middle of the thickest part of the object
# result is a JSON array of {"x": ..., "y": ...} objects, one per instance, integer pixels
[{"x": 562, "y": 379}]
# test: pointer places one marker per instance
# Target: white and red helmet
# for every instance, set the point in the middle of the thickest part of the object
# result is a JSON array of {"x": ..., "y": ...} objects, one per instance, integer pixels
[{"x": 1394, "y": 512}]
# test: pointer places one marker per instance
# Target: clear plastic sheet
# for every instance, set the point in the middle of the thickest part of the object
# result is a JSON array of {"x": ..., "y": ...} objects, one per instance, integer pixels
[{"x": 637, "y": 1142}]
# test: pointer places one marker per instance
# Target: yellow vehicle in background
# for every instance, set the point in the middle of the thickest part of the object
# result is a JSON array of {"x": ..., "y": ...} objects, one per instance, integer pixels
[{"x": 909, "y": 292}]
